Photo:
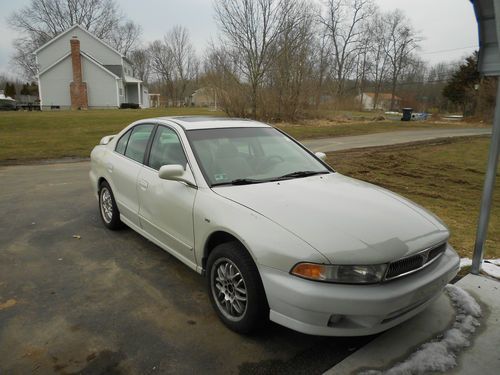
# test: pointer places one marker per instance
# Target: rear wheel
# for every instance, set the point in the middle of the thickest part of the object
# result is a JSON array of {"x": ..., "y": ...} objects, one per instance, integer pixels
[
  {"x": 235, "y": 288},
  {"x": 107, "y": 207}
]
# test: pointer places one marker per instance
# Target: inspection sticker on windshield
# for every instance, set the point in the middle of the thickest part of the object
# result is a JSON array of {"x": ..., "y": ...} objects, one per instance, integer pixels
[{"x": 220, "y": 177}]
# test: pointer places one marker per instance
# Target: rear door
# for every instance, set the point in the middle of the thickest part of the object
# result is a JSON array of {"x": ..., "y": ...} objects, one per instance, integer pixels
[
  {"x": 124, "y": 165},
  {"x": 166, "y": 207}
]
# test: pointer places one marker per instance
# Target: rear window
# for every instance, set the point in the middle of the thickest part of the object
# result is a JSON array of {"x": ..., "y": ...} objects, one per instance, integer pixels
[
  {"x": 121, "y": 145},
  {"x": 138, "y": 141},
  {"x": 134, "y": 142}
]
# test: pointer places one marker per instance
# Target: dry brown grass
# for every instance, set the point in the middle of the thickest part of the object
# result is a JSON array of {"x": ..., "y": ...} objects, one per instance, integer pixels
[{"x": 446, "y": 177}]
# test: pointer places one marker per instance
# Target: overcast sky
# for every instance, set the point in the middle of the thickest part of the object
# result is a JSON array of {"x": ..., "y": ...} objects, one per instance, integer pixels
[{"x": 447, "y": 26}]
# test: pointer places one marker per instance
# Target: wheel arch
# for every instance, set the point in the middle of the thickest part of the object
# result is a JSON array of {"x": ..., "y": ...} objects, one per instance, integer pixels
[
  {"x": 100, "y": 180},
  {"x": 216, "y": 238}
]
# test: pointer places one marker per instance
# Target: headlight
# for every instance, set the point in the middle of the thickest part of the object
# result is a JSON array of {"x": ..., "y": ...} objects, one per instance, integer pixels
[{"x": 346, "y": 274}]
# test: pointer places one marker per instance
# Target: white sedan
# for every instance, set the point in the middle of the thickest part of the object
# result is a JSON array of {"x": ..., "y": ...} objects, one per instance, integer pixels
[{"x": 278, "y": 233}]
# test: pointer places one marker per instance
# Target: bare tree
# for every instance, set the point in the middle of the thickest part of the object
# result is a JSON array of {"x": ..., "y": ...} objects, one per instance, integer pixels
[
  {"x": 363, "y": 63},
  {"x": 173, "y": 61},
  {"x": 249, "y": 29},
  {"x": 162, "y": 65},
  {"x": 321, "y": 59},
  {"x": 184, "y": 59},
  {"x": 42, "y": 20},
  {"x": 402, "y": 41},
  {"x": 344, "y": 24},
  {"x": 292, "y": 65},
  {"x": 124, "y": 37},
  {"x": 141, "y": 63},
  {"x": 377, "y": 58},
  {"x": 220, "y": 74}
]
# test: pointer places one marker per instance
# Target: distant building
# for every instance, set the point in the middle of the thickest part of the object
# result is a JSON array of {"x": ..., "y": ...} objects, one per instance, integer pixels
[
  {"x": 383, "y": 101},
  {"x": 78, "y": 70},
  {"x": 203, "y": 97}
]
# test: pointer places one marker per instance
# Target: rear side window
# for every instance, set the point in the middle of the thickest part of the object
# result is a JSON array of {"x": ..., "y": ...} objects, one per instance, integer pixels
[
  {"x": 138, "y": 141},
  {"x": 121, "y": 145}
]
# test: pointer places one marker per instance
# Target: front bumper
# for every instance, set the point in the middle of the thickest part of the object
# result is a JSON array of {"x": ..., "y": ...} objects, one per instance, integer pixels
[{"x": 328, "y": 309}]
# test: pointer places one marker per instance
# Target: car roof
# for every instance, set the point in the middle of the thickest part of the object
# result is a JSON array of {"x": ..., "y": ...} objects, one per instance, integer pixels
[{"x": 208, "y": 122}]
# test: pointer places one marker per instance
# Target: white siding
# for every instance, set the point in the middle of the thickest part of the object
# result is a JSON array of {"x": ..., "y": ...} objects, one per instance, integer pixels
[
  {"x": 54, "y": 84},
  {"x": 127, "y": 69},
  {"x": 121, "y": 91},
  {"x": 145, "y": 98},
  {"x": 88, "y": 44},
  {"x": 101, "y": 86}
]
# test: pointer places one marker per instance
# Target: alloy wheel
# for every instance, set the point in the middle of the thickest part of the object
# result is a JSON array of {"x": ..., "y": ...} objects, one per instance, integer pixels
[{"x": 229, "y": 289}]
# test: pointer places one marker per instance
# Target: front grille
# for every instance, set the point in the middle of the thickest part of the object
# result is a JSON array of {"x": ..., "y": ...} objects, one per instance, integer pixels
[
  {"x": 404, "y": 265},
  {"x": 414, "y": 262},
  {"x": 435, "y": 252}
]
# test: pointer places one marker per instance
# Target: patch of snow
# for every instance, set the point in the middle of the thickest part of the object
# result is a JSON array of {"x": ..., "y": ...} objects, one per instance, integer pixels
[
  {"x": 440, "y": 355},
  {"x": 490, "y": 267},
  {"x": 465, "y": 262}
]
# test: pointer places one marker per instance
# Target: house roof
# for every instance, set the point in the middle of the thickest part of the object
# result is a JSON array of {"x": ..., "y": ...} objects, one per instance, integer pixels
[
  {"x": 98, "y": 64},
  {"x": 130, "y": 79},
  {"x": 382, "y": 95},
  {"x": 88, "y": 57},
  {"x": 54, "y": 63},
  {"x": 76, "y": 26}
]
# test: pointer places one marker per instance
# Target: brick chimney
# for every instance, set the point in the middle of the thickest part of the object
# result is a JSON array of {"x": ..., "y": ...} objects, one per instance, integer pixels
[{"x": 78, "y": 88}]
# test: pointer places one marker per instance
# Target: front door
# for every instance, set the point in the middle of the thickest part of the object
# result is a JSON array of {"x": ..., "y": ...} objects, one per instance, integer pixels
[{"x": 166, "y": 207}]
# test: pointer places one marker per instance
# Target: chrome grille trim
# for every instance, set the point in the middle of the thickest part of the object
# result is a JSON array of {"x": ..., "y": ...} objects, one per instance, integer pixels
[{"x": 415, "y": 262}]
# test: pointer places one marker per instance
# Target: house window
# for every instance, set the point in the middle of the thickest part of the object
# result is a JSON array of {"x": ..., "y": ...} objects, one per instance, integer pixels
[{"x": 121, "y": 91}]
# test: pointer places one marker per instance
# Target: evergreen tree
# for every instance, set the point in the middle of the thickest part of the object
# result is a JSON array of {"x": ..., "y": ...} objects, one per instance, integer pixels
[
  {"x": 25, "y": 90},
  {"x": 461, "y": 89},
  {"x": 10, "y": 90}
]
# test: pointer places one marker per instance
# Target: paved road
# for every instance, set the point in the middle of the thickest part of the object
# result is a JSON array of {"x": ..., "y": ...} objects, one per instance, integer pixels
[
  {"x": 112, "y": 302},
  {"x": 388, "y": 138}
]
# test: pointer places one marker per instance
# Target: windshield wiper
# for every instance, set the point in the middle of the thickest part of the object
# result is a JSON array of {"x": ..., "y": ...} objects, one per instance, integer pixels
[
  {"x": 297, "y": 174},
  {"x": 240, "y": 181}
]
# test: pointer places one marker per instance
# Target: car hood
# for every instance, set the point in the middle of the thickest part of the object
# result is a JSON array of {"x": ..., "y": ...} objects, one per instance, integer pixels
[{"x": 347, "y": 220}]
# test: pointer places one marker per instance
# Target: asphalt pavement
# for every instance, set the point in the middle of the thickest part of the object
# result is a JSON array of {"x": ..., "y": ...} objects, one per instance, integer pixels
[
  {"x": 389, "y": 138},
  {"x": 76, "y": 298}
]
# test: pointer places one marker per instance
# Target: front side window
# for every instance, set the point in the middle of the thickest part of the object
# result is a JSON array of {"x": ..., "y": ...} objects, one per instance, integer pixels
[
  {"x": 138, "y": 141},
  {"x": 250, "y": 155},
  {"x": 166, "y": 149}
]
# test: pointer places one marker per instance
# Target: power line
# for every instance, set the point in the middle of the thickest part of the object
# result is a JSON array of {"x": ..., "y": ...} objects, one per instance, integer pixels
[{"x": 448, "y": 50}]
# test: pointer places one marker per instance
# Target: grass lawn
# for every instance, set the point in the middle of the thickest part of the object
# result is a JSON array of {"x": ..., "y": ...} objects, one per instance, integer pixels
[
  {"x": 57, "y": 134},
  {"x": 446, "y": 177}
]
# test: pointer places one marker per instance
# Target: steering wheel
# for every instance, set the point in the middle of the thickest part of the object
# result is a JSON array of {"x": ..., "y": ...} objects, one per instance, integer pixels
[{"x": 269, "y": 162}]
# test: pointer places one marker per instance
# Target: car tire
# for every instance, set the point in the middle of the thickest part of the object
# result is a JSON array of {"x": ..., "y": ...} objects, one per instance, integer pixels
[
  {"x": 108, "y": 209},
  {"x": 235, "y": 288}
]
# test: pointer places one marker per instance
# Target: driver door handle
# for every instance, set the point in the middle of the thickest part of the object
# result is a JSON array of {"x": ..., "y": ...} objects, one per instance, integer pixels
[{"x": 143, "y": 184}]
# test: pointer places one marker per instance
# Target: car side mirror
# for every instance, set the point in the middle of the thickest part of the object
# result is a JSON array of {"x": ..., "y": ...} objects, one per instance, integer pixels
[
  {"x": 320, "y": 155},
  {"x": 176, "y": 172}
]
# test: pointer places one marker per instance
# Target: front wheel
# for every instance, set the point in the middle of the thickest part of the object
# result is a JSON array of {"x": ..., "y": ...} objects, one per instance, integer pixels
[
  {"x": 107, "y": 207},
  {"x": 235, "y": 288}
]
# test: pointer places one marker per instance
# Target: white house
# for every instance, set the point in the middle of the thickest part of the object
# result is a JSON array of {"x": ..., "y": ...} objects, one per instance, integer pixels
[{"x": 77, "y": 70}]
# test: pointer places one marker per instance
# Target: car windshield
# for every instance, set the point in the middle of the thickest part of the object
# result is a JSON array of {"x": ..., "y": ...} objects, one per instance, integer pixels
[{"x": 234, "y": 156}]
